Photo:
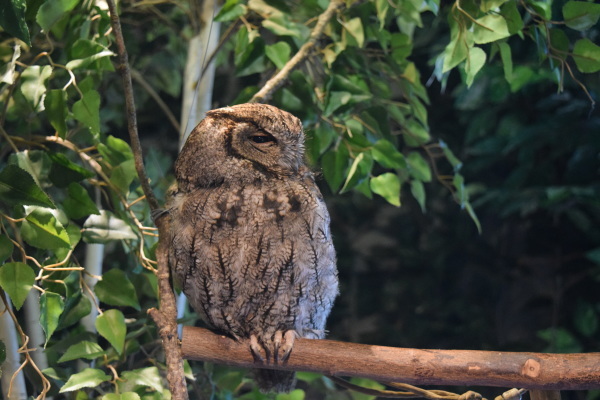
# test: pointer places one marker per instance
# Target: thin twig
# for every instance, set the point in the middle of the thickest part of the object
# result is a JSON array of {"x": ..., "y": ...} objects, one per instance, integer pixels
[{"x": 265, "y": 93}]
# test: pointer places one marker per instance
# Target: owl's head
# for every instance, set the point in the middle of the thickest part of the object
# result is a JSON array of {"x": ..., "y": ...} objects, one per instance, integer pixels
[{"x": 242, "y": 143}]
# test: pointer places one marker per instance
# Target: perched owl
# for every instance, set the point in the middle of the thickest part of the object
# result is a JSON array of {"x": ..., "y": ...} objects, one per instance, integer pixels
[{"x": 250, "y": 240}]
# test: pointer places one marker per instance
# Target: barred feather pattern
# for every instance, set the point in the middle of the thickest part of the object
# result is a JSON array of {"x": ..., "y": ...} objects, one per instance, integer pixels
[{"x": 250, "y": 243}]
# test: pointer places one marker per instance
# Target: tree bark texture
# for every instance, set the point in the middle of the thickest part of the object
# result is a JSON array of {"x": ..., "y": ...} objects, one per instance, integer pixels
[{"x": 413, "y": 366}]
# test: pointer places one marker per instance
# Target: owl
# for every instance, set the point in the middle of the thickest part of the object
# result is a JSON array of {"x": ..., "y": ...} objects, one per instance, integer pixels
[{"x": 250, "y": 241}]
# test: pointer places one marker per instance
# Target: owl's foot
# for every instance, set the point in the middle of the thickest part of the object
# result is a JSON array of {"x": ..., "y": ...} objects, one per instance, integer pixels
[
  {"x": 280, "y": 346},
  {"x": 256, "y": 349},
  {"x": 288, "y": 343}
]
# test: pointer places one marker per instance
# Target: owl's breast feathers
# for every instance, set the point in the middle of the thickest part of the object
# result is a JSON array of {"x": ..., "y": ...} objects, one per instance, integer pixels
[{"x": 256, "y": 258}]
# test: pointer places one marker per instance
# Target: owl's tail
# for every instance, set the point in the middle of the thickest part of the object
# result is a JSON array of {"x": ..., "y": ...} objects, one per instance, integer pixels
[{"x": 270, "y": 380}]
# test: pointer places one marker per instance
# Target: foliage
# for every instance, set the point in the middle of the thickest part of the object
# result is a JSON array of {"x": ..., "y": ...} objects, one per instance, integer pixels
[{"x": 67, "y": 179}]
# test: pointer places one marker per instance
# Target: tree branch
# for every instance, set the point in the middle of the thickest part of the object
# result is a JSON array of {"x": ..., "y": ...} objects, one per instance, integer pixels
[
  {"x": 123, "y": 68},
  {"x": 265, "y": 93},
  {"x": 165, "y": 317},
  {"x": 420, "y": 367}
]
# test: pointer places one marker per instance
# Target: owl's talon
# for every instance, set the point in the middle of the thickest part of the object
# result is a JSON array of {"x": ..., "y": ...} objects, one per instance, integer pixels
[
  {"x": 277, "y": 339},
  {"x": 286, "y": 349},
  {"x": 255, "y": 349}
]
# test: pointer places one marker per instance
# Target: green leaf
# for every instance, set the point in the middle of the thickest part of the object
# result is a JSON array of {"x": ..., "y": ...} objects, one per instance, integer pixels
[
  {"x": 386, "y": 154},
  {"x": 33, "y": 84},
  {"x": 89, "y": 377},
  {"x": 78, "y": 204},
  {"x": 231, "y": 10},
  {"x": 278, "y": 53},
  {"x": 12, "y": 19},
  {"x": 122, "y": 175},
  {"x": 106, "y": 227},
  {"x": 87, "y": 110},
  {"x": 416, "y": 134},
  {"x": 355, "y": 28},
  {"x": 83, "y": 349},
  {"x": 475, "y": 60},
  {"x": 418, "y": 167},
  {"x": 42, "y": 229},
  {"x": 559, "y": 43},
  {"x": 85, "y": 52},
  {"x": 418, "y": 191},
  {"x": 506, "y": 56},
  {"x": 402, "y": 46},
  {"x": 17, "y": 187},
  {"x": 122, "y": 396},
  {"x": 17, "y": 279},
  {"x": 455, "y": 162},
  {"x": 387, "y": 185},
  {"x": 51, "y": 307},
  {"x": 111, "y": 326},
  {"x": 149, "y": 377},
  {"x": 281, "y": 25},
  {"x": 6, "y": 248},
  {"x": 359, "y": 172},
  {"x": 56, "y": 110},
  {"x": 63, "y": 171},
  {"x": 296, "y": 394},
  {"x": 9, "y": 74},
  {"x": 511, "y": 14},
  {"x": 117, "y": 290},
  {"x": 336, "y": 100},
  {"x": 581, "y": 15},
  {"x": 335, "y": 163},
  {"x": 53, "y": 10},
  {"x": 457, "y": 50},
  {"x": 488, "y": 5},
  {"x": 115, "y": 150},
  {"x": 587, "y": 56},
  {"x": 367, "y": 383},
  {"x": 490, "y": 28},
  {"x": 473, "y": 216}
]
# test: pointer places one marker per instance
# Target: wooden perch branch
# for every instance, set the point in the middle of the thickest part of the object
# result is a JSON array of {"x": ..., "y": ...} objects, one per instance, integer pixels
[
  {"x": 265, "y": 93},
  {"x": 420, "y": 367}
]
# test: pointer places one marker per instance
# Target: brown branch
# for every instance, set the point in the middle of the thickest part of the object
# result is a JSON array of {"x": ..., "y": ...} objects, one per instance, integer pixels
[
  {"x": 123, "y": 68},
  {"x": 420, "y": 367},
  {"x": 165, "y": 317},
  {"x": 265, "y": 93}
]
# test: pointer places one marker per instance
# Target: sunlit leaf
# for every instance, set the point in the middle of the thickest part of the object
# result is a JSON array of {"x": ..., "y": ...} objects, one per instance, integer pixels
[
  {"x": 122, "y": 396},
  {"x": 475, "y": 60},
  {"x": 506, "y": 57},
  {"x": 33, "y": 84},
  {"x": 116, "y": 289},
  {"x": 387, "y": 185},
  {"x": 296, "y": 394},
  {"x": 86, "y": 52},
  {"x": 89, "y": 377},
  {"x": 12, "y": 19},
  {"x": 84, "y": 349},
  {"x": 17, "y": 279},
  {"x": 111, "y": 326},
  {"x": 106, "y": 227},
  {"x": 42, "y": 229},
  {"x": 456, "y": 51},
  {"x": 490, "y": 28},
  {"x": 51, "y": 307},
  {"x": 355, "y": 28},
  {"x": 123, "y": 175},
  {"x": 149, "y": 377}
]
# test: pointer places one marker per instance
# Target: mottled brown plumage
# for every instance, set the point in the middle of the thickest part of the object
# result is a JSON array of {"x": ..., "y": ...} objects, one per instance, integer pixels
[{"x": 250, "y": 240}]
